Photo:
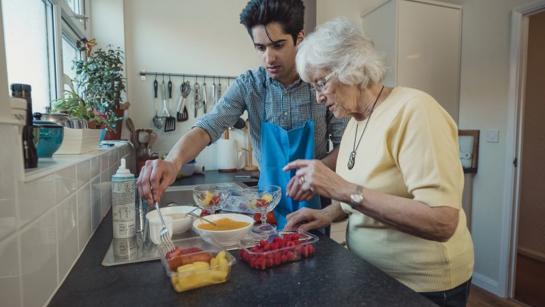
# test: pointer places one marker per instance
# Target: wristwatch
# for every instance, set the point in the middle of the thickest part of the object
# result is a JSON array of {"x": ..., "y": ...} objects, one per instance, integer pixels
[{"x": 357, "y": 197}]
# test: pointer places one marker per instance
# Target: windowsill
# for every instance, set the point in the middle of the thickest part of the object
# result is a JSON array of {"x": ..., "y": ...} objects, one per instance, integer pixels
[{"x": 47, "y": 166}]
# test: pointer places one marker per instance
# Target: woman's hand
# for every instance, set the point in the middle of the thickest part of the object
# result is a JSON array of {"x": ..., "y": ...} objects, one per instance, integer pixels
[
  {"x": 295, "y": 190},
  {"x": 306, "y": 219},
  {"x": 313, "y": 176},
  {"x": 155, "y": 177}
]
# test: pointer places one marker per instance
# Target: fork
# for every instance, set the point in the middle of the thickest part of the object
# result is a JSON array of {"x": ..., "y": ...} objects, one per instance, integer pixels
[{"x": 164, "y": 235}]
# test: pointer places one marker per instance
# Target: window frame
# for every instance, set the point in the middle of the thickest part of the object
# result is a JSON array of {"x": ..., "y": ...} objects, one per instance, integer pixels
[{"x": 67, "y": 22}]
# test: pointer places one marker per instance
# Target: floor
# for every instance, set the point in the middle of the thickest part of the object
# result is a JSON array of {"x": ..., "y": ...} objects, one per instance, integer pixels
[
  {"x": 529, "y": 282},
  {"x": 477, "y": 297},
  {"x": 481, "y": 298}
]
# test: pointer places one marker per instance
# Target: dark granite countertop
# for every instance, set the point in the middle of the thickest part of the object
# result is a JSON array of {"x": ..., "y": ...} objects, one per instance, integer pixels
[{"x": 333, "y": 277}]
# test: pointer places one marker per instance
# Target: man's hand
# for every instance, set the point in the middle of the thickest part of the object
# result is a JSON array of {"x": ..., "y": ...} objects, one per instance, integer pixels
[{"x": 155, "y": 177}]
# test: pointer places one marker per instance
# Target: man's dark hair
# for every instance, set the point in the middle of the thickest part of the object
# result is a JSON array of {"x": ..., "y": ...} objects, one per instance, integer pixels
[{"x": 290, "y": 14}]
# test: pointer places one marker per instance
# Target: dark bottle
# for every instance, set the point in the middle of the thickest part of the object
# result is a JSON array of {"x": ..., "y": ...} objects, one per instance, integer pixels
[{"x": 29, "y": 149}]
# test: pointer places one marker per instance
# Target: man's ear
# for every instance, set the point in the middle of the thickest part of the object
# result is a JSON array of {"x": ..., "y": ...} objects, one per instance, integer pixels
[{"x": 300, "y": 38}]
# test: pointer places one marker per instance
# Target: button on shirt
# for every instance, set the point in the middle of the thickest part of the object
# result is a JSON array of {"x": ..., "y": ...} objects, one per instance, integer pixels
[{"x": 289, "y": 107}]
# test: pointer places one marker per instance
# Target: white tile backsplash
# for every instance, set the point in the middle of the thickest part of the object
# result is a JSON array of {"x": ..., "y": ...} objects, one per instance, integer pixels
[
  {"x": 47, "y": 219},
  {"x": 105, "y": 192},
  {"x": 67, "y": 232},
  {"x": 66, "y": 182},
  {"x": 39, "y": 260},
  {"x": 104, "y": 159},
  {"x": 83, "y": 172},
  {"x": 8, "y": 213},
  {"x": 36, "y": 197},
  {"x": 84, "y": 215},
  {"x": 96, "y": 198},
  {"x": 10, "y": 276},
  {"x": 95, "y": 167}
]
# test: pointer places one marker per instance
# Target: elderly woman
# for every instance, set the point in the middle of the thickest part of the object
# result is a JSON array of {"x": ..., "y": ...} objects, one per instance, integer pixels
[{"x": 398, "y": 176}]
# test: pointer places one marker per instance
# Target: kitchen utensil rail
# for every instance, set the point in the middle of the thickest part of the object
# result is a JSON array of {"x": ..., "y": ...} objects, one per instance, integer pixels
[{"x": 182, "y": 75}]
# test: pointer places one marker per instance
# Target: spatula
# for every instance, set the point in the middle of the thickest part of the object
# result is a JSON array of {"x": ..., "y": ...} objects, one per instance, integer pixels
[
  {"x": 185, "y": 89},
  {"x": 170, "y": 121},
  {"x": 157, "y": 121}
]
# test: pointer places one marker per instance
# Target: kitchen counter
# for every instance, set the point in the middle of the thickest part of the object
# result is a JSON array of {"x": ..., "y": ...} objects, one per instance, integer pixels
[{"x": 334, "y": 277}]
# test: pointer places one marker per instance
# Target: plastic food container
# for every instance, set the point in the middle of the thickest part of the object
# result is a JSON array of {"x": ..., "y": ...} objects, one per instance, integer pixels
[
  {"x": 200, "y": 264},
  {"x": 285, "y": 247}
]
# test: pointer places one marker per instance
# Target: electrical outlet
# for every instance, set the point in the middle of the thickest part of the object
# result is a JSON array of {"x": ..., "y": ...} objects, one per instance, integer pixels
[{"x": 492, "y": 135}]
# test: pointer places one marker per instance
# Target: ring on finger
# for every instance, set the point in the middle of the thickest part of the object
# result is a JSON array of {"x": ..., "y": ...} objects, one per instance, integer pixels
[{"x": 302, "y": 180}]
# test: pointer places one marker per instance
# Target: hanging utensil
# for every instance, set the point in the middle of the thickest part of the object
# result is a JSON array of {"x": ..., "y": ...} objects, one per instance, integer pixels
[
  {"x": 204, "y": 96},
  {"x": 197, "y": 97},
  {"x": 169, "y": 88},
  {"x": 219, "y": 89},
  {"x": 185, "y": 89},
  {"x": 170, "y": 121},
  {"x": 214, "y": 92},
  {"x": 158, "y": 122}
]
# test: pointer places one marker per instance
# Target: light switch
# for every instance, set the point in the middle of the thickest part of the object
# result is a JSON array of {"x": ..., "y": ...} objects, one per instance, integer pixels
[{"x": 493, "y": 135}]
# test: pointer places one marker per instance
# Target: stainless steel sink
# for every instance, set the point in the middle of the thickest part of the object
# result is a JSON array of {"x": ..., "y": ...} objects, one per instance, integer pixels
[
  {"x": 183, "y": 195},
  {"x": 141, "y": 249}
]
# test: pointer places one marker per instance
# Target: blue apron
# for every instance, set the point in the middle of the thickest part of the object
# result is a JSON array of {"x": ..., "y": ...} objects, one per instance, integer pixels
[{"x": 278, "y": 147}]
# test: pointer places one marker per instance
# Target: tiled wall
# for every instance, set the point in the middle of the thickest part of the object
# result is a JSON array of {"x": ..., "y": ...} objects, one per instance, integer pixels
[{"x": 46, "y": 223}]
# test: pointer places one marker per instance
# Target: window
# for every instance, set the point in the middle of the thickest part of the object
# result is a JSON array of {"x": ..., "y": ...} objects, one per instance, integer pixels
[
  {"x": 38, "y": 52},
  {"x": 73, "y": 13},
  {"x": 29, "y": 40},
  {"x": 69, "y": 53},
  {"x": 77, "y": 6},
  {"x": 72, "y": 28}
]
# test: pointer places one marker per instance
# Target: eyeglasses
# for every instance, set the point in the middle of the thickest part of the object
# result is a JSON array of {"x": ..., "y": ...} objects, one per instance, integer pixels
[{"x": 322, "y": 83}]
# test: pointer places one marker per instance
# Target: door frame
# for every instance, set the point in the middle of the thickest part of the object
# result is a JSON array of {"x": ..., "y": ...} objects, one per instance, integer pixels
[{"x": 517, "y": 75}]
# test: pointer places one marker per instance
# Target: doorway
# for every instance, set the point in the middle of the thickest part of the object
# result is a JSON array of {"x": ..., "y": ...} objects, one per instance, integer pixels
[{"x": 530, "y": 247}]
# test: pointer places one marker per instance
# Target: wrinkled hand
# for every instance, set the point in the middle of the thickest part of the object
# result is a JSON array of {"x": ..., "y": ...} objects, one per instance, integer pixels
[
  {"x": 155, "y": 177},
  {"x": 314, "y": 176},
  {"x": 296, "y": 191},
  {"x": 306, "y": 219}
]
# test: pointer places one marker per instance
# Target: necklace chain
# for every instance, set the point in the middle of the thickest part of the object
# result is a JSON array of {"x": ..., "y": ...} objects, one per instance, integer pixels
[{"x": 352, "y": 158}]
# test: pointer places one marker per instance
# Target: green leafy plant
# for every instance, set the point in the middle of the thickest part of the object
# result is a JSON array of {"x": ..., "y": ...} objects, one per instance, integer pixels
[
  {"x": 74, "y": 105},
  {"x": 100, "y": 78}
]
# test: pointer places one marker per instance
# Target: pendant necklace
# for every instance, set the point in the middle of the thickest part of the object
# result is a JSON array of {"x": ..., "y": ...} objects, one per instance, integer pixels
[{"x": 352, "y": 158}]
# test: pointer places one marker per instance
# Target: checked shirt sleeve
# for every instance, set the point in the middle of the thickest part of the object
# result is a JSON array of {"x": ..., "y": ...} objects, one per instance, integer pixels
[{"x": 225, "y": 112}]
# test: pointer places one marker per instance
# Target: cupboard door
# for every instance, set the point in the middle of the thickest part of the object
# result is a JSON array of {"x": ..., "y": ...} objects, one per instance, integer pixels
[{"x": 429, "y": 41}]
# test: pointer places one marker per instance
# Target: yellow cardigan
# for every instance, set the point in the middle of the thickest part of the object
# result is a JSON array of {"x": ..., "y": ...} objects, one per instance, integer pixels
[{"x": 410, "y": 149}]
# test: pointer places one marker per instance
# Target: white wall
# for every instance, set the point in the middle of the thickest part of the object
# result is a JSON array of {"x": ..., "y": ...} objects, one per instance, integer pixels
[
  {"x": 483, "y": 105},
  {"x": 106, "y": 21},
  {"x": 189, "y": 36}
]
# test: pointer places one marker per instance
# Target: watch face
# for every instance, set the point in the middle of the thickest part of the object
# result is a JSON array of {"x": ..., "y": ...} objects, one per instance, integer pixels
[{"x": 356, "y": 198}]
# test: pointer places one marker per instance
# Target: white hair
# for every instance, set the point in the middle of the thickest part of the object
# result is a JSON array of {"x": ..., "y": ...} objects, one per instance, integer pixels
[{"x": 340, "y": 46}]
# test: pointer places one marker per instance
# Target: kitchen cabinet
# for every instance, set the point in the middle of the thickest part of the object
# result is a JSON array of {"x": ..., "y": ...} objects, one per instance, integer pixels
[{"x": 422, "y": 44}]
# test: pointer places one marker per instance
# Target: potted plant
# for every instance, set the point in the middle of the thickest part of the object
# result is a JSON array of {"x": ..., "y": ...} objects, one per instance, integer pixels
[
  {"x": 74, "y": 105},
  {"x": 100, "y": 78}
]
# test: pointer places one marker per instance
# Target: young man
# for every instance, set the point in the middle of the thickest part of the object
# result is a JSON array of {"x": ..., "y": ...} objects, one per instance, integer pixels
[{"x": 286, "y": 123}]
